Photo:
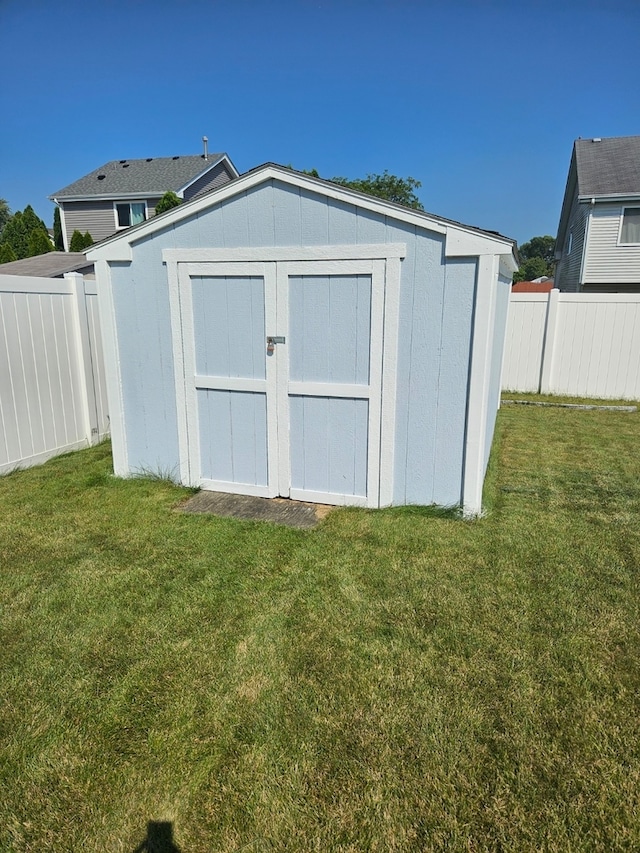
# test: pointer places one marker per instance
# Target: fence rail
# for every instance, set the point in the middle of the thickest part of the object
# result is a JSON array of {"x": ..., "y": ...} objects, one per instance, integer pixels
[
  {"x": 578, "y": 344},
  {"x": 52, "y": 383}
]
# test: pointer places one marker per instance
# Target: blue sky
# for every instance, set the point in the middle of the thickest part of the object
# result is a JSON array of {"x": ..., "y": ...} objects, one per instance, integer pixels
[{"x": 480, "y": 100}]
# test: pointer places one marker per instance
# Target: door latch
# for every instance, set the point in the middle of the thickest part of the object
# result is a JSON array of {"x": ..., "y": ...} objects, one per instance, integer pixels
[{"x": 272, "y": 340}]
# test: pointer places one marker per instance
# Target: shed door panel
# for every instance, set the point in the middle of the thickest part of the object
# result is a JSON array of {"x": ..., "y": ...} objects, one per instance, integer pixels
[
  {"x": 229, "y": 420},
  {"x": 299, "y": 418},
  {"x": 329, "y": 373}
]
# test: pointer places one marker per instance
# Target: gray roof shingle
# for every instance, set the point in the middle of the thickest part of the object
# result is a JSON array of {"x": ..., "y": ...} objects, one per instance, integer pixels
[
  {"x": 608, "y": 166},
  {"x": 49, "y": 265},
  {"x": 151, "y": 176}
]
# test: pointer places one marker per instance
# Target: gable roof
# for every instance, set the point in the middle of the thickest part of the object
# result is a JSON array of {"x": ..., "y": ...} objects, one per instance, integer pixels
[
  {"x": 49, "y": 265},
  {"x": 599, "y": 169},
  {"x": 462, "y": 240},
  {"x": 608, "y": 166},
  {"x": 150, "y": 176}
]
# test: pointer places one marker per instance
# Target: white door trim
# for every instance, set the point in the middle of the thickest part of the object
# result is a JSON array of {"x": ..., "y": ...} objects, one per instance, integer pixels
[{"x": 275, "y": 265}]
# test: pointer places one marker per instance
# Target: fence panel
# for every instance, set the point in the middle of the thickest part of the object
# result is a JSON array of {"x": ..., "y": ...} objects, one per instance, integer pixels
[
  {"x": 578, "y": 344},
  {"x": 51, "y": 369}
]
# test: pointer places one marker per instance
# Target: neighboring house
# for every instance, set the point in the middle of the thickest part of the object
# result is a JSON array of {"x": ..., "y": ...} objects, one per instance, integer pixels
[
  {"x": 50, "y": 265},
  {"x": 598, "y": 242},
  {"x": 123, "y": 193},
  {"x": 285, "y": 336}
]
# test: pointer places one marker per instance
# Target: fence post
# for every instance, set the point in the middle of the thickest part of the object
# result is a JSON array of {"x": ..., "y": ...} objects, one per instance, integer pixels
[
  {"x": 84, "y": 357},
  {"x": 549, "y": 343}
]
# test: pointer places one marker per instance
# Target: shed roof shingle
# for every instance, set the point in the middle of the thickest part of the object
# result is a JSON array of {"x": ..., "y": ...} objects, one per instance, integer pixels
[
  {"x": 154, "y": 176},
  {"x": 608, "y": 166}
]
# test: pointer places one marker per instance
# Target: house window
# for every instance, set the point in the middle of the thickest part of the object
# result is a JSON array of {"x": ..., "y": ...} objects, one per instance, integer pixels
[
  {"x": 570, "y": 243},
  {"x": 130, "y": 213},
  {"x": 630, "y": 225}
]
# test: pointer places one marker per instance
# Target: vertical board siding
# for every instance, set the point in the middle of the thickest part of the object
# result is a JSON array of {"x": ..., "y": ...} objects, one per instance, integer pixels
[
  {"x": 233, "y": 436},
  {"x": 229, "y": 326},
  {"x": 330, "y": 328},
  {"x": 328, "y": 445},
  {"x": 141, "y": 302},
  {"x": 595, "y": 351},
  {"x": 436, "y": 306},
  {"x": 42, "y": 399}
]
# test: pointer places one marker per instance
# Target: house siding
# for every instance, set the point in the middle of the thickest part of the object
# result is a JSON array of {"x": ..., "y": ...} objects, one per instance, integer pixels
[
  {"x": 211, "y": 181},
  {"x": 96, "y": 217},
  {"x": 567, "y": 274},
  {"x": 606, "y": 262},
  {"x": 435, "y": 329}
]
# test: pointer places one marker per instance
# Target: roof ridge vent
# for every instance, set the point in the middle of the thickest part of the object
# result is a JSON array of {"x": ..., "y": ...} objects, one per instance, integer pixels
[{"x": 597, "y": 139}]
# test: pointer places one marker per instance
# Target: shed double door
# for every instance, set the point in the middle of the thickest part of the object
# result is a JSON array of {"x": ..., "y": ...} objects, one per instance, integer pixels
[{"x": 283, "y": 377}]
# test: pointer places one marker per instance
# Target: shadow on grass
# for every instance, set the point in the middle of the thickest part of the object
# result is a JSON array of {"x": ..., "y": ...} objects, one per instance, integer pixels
[{"x": 159, "y": 839}]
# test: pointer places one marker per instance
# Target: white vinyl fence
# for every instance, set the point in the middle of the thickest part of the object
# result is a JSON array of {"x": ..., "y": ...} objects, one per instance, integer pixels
[
  {"x": 52, "y": 385},
  {"x": 578, "y": 344}
]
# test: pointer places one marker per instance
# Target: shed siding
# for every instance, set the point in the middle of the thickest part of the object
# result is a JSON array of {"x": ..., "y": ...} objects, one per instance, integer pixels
[
  {"x": 436, "y": 307},
  {"x": 606, "y": 261},
  {"x": 211, "y": 181},
  {"x": 143, "y": 322}
]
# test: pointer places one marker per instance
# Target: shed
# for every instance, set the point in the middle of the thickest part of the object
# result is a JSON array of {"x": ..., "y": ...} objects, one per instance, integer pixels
[{"x": 285, "y": 336}]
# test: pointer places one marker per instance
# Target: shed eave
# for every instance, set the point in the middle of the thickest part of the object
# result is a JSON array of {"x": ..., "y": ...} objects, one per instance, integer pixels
[{"x": 463, "y": 243}]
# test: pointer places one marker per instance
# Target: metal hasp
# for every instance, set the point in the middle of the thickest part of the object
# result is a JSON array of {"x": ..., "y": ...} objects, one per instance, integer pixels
[{"x": 275, "y": 339}]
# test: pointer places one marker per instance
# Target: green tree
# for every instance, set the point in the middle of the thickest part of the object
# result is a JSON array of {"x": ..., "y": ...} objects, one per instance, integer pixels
[
  {"x": 168, "y": 200},
  {"x": 5, "y": 213},
  {"x": 531, "y": 269},
  {"x": 58, "y": 238},
  {"x": 7, "y": 254},
  {"x": 18, "y": 229},
  {"x": 389, "y": 187},
  {"x": 79, "y": 241},
  {"x": 39, "y": 243},
  {"x": 539, "y": 247},
  {"x": 537, "y": 258}
]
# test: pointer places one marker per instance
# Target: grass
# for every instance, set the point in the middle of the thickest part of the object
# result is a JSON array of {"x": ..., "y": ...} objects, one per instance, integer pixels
[{"x": 395, "y": 680}]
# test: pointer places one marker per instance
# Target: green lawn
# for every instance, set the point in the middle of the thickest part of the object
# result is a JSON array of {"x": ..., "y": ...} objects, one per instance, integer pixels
[{"x": 395, "y": 680}]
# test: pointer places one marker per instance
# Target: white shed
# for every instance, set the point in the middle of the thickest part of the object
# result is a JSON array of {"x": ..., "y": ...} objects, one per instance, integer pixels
[{"x": 286, "y": 336}]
